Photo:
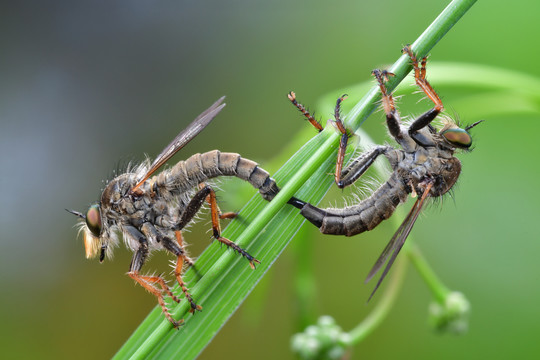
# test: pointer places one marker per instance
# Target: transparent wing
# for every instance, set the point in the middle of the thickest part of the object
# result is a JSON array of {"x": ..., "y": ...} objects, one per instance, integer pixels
[
  {"x": 183, "y": 138},
  {"x": 398, "y": 240}
]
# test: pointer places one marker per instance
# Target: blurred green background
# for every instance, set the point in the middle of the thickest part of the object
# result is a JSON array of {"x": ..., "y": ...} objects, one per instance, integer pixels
[{"x": 88, "y": 86}]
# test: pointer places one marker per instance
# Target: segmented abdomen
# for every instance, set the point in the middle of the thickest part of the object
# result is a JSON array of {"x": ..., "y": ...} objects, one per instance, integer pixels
[
  {"x": 363, "y": 216},
  {"x": 201, "y": 167}
]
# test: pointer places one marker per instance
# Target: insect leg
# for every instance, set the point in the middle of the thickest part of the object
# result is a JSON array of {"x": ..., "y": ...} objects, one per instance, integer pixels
[
  {"x": 392, "y": 115},
  {"x": 342, "y": 143},
  {"x": 339, "y": 125},
  {"x": 146, "y": 281},
  {"x": 359, "y": 166},
  {"x": 180, "y": 241},
  {"x": 420, "y": 78},
  {"x": 216, "y": 227},
  {"x": 194, "y": 206},
  {"x": 292, "y": 97},
  {"x": 219, "y": 214},
  {"x": 176, "y": 249}
]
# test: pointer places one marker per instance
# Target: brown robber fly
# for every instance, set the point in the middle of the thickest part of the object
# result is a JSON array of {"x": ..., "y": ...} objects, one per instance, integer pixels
[
  {"x": 425, "y": 165},
  {"x": 150, "y": 210}
]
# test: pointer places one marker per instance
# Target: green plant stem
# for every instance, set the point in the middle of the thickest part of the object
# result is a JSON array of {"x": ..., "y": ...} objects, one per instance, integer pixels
[
  {"x": 381, "y": 310},
  {"x": 437, "y": 288},
  {"x": 421, "y": 47},
  {"x": 155, "y": 337}
]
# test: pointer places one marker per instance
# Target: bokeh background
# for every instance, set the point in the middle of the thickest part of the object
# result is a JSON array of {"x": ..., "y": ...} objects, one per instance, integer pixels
[{"x": 88, "y": 86}]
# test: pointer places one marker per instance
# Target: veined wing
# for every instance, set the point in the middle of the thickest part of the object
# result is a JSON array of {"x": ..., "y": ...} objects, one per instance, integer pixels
[
  {"x": 184, "y": 137},
  {"x": 397, "y": 241}
]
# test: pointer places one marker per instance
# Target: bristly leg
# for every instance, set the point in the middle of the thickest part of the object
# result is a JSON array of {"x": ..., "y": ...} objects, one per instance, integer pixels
[
  {"x": 342, "y": 143},
  {"x": 345, "y": 134},
  {"x": 180, "y": 241},
  {"x": 216, "y": 210},
  {"x": 206, "y": 193},
  {"x": 420, "y": 78},
  {"x": 178, "y": 274},
  {"x": 239, "y": 250},
  {"x": 175, "y": 248},
  {"x": 392, "y": 115},
  {"x": 147, "y": 282},
  {"x": 216, "y": 228},
  {"x": 292, "y": 97}
]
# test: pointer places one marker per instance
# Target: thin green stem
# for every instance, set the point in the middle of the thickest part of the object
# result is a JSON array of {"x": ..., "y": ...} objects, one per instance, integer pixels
[
  {"x": 381, "y": 310},
  {"x": 421, "y": 47},
  {"x": 437, "y": 288}
]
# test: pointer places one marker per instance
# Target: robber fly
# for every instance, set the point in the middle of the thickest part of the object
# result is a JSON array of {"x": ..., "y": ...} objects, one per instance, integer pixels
[
  {"x": 425, "y": 165},
  {"x": 150, "y": 212}
]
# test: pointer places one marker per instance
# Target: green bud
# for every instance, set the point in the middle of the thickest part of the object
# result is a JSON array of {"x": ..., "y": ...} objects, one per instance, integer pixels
[
  {"x": 325, "y": 340},
  {"x": 451, "y": 316}
]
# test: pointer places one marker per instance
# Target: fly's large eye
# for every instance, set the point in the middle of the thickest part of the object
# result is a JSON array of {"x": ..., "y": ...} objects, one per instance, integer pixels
[
  {"x": 93, "y": 220},
  {"x": 458, "y": 137}
]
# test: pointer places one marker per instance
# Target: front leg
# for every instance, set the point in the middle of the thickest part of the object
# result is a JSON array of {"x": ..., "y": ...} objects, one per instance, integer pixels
[
  {"x": 420, "y": 79},
  {"x": 149, "y": 282},
  {"x": 393, "y": 120},
  {"x": 175, "y": 247}
]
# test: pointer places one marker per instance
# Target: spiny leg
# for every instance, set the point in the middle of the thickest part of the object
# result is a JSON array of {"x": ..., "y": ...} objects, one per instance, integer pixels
[
  {"x": 216, "y": 228},
  {"x": 220, "y": 215},
  {"x": 342, "y": 143},
  {"x": 360, "y": 165},
  {"x": 148, "y": 282},
  {"x": 180, "y": 241},
  {"x": 193, "y": 207},
  {"x": 338, "y": 124},
  {"x": 292, "y": 97},
  {"x": 392, "y": 115},
  {"x": 420, "y": 78},
  {"x": 177, "y": 249}
]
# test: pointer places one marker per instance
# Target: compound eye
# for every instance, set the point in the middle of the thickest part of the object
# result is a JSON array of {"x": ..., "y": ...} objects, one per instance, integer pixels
[
  {"x": 93, "y": 220},
  {"x": 458, "y": 137}
]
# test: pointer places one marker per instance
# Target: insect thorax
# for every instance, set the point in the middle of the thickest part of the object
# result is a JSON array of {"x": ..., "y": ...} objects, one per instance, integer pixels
[
  {"x": 119, "y": 205},
  {"x": 430, "y": 164}
]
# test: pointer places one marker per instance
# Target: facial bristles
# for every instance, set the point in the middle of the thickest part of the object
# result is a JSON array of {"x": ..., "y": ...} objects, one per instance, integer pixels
[{"x": 92, "y": 245}]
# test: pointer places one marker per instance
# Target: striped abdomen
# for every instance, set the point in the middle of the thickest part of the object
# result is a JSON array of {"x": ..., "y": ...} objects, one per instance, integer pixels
[
  {"x": 201, "y": 167},
  {"x": 361, "y": 217}
]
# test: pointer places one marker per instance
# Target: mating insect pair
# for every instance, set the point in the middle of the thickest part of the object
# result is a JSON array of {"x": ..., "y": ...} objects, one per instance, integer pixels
[
  {"x": 424, "y": 166},
  {"x": 151, "y": 212}
]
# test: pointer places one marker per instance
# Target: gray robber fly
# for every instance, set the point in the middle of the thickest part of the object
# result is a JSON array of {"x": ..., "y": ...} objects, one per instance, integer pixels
[
  {"x": 150, "y": 212},
  {"x": 424, "y": 166}
]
